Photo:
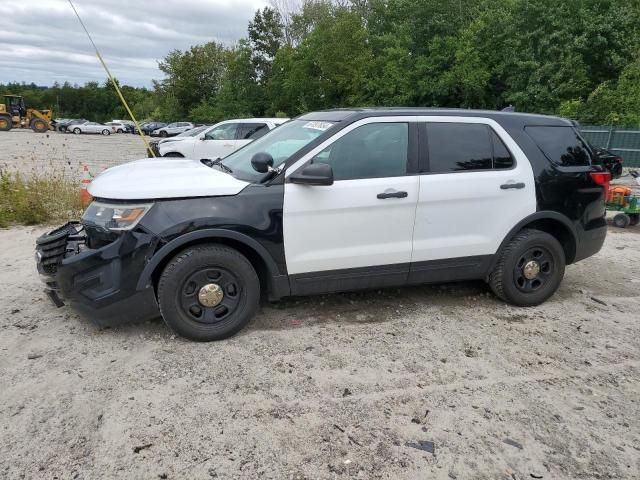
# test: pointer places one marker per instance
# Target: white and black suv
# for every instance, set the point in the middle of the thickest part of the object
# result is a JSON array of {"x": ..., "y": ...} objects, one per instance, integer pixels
[{"x": 332, "y": 201}]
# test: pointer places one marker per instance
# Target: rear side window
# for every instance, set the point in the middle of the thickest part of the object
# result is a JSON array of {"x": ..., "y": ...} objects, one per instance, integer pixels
[
  {"x": 458, "y": 146},
  {"x": 252, "y": 131},
  {"x": 502, "y": 158},
  {"x": 561, "y": 145}
]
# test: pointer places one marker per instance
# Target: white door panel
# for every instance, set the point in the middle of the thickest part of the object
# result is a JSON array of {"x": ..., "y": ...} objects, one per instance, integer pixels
[
  {"x": 345, "y": 225},
  {"x": 213, "y": 148},
  {"x": 466, "y": 214}
]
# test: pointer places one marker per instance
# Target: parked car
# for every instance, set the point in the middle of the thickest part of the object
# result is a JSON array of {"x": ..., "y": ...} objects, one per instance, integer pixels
[
  {"x": 609, "y": 160},
  {"x": 361, "y": 198},
  {"x": 221, "y": 139},
  {"x": 118, "y": 127},
  {"x": 148, "y": 127},
  {"x": 154, "y": 143},
  {"x": 64, "y": 126},
  {"x": 92, "y": 127},
  {"x": 172, "y": 129}
]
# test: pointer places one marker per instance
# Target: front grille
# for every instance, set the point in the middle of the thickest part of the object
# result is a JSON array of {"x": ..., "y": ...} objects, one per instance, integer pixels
[{"x": 58, "y": 244}]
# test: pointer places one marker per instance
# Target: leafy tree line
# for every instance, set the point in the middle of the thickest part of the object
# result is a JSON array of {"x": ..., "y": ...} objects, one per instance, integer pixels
[{"x": 577, "y": 58}]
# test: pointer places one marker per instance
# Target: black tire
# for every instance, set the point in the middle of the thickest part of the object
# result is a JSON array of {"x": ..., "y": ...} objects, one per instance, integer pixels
[
  {"x": 106, "y": 132},
  {"x": 529, "y": 247},
  {"x": 77, "y": 131},
  {"x": 39, "y": 126},
  {"x": 634, "y": 218},
  {"x": 5, "y": 123},
  {"x": 163, "y": 133},
  {"x": 622, "y": 220},
  {"x": 188, "y": 272},
  {"x": 173, "y": 154}
]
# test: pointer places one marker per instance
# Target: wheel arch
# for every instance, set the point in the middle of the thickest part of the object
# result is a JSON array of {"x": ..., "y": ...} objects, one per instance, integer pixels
[
  {"x": 553, "y": 223},
  {"x": 271, "y": 281}
]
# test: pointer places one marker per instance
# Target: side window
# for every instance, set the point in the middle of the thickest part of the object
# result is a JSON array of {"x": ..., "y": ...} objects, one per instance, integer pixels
[
  {"x": 458, "y": 146},
  {"x": 502, "y": 158},
  {"x": 374, "y": 150},
  {"x": 223, "y": 132},
  {"x": 252, "y": 131},
  {"x": 561, "y": 145}
]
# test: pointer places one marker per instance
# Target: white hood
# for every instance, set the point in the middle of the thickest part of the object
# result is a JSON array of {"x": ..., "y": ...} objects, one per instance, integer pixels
[{"x": 163, "y": 178}]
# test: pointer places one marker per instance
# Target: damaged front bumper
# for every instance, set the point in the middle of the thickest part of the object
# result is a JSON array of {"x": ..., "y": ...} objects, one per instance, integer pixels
[{"x": 99, "y": 283}]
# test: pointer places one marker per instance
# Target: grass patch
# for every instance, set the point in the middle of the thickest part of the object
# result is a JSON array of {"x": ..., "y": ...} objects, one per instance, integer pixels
[{"x": 37, "y": 198}]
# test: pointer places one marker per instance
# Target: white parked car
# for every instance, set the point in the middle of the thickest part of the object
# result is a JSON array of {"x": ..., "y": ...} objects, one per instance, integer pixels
[
  {"x": 119, "y": 127},
  {"x": 93, "y": 127},
  {"x": 221, "y": 139},
  {"x": 172, "y": 129}
]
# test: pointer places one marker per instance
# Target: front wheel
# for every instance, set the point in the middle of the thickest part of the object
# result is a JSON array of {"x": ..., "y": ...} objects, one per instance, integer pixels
[
  {"x": 39, "y": 126},
  {"x": 106, "y": 132},
  {"x": 164, "y": 134},
  {"x": 77, "y": 131},
  {"x": 529, "y": 269},
  {"x": 208, "y": 292},
  {"x": 5, "y": 123}
]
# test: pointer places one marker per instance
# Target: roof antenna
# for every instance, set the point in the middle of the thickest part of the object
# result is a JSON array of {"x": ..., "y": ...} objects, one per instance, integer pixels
[{"x": 113, "y": 82}]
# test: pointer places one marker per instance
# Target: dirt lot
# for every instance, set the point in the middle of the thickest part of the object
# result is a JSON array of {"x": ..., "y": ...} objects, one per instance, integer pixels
[
  {"x": 25, "y": 151},
  {"x": 333, "y": 386},
  {"x": 339, "y": 386}
]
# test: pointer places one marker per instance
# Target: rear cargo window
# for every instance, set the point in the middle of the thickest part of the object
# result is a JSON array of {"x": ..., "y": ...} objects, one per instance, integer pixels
[{"x": 561, "y": 145}]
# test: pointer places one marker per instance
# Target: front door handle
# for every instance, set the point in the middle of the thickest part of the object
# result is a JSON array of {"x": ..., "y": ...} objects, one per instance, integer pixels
[
  {"x": 507, "y": 186},
  {"x": 384, "y": 195}
]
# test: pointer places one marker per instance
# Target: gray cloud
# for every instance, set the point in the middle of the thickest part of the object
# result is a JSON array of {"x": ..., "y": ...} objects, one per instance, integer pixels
[{"x": 42, "y": 41}]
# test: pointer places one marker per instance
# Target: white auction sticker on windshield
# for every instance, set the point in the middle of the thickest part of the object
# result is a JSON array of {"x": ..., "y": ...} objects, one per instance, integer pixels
[{"x": 318, "y": 125}]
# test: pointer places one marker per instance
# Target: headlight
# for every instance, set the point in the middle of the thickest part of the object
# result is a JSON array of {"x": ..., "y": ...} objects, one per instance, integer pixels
[{"x": 115, "y": 217}]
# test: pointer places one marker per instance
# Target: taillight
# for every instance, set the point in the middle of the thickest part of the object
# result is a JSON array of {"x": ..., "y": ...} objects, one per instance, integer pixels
[{"x": 602, "y": 178}]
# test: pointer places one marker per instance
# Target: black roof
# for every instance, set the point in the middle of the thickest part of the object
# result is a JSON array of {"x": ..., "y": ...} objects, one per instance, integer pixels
[{"x": 512, "y": 119}]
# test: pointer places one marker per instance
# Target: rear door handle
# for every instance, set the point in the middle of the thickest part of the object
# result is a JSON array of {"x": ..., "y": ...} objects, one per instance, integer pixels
[
  {"x": 384, "y": 195},
  {"x": 507, "y": 186}
]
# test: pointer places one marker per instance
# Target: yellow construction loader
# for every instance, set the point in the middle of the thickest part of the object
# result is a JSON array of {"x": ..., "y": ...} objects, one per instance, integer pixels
[{"x": 14, "y": 114}]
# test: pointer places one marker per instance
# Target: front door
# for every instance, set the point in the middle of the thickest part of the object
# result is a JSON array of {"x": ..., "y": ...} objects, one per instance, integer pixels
[
  {"x": 357, "y": 232},
  {"x": 475, "y": 186},
  {"x": 217, "y": 142}
]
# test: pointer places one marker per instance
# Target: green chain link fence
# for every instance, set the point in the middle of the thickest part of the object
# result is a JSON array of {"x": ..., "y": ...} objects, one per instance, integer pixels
[{"x": 621, "y": 141}]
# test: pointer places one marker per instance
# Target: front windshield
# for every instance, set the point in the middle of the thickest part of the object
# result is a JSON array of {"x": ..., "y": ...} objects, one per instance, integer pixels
[{"x": 280, "y": 143}]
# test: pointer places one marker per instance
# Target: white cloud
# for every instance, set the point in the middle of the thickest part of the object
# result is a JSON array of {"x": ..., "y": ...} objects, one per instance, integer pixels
[{"x": 42, "y": 41}]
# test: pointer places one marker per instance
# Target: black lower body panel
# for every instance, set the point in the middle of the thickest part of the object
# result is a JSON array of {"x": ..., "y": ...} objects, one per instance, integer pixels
[{"x": 589, "y": 242}]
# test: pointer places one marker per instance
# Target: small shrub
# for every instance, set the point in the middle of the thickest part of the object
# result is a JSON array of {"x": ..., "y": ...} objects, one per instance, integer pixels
[{"x": 37, "y": 198}]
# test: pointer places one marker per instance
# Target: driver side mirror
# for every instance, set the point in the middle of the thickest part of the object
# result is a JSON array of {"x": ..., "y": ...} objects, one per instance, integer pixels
[
  {"x": 262, "y": 162},
  {"x": 313, "y": 174}
]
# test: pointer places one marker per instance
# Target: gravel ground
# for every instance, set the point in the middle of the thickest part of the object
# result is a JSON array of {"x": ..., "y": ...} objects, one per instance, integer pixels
[
  {"x": 26, "y": 151},
  {"x": 425, "y": 382}
]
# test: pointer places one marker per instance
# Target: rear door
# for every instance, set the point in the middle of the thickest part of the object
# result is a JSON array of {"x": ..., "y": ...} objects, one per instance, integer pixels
[
  {"x": 476, "y": 184},
  {"x": 357, "y": 232}
]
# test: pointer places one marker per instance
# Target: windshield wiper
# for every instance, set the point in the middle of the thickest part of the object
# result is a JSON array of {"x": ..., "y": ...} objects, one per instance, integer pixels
[{"x": 217, "y": 162}]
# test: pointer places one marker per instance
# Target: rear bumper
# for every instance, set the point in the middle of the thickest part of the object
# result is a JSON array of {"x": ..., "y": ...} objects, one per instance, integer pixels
[
  {"x": 91, "y": 281},
  {"x": 589, "y": 242}
]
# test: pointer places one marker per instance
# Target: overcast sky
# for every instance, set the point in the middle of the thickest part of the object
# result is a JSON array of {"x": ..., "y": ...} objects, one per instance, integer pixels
[{"x": 42, "y": 41}]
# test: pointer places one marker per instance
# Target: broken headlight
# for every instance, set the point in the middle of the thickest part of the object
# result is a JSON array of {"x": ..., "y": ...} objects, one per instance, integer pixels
[{"x": 115, "y": 217}]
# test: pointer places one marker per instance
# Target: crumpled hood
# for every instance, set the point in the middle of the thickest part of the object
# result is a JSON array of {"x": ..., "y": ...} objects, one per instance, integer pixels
[{"x": 151, "y": 178}]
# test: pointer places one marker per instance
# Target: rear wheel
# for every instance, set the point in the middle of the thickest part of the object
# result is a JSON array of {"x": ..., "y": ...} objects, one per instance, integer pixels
[
  {"x": 39, "y": 126},
  {"x": 77, "y": 131},
  {"x": 634, "y": 217},
  {"x": 106, "y": 132},
  {"x": 529, "y": 269},
  {"x": 163, "y": 133},
  {"x": 5, "y": 123},
  {"x": 208, "y": 292},
  {"x": 622, "y": 220}
]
